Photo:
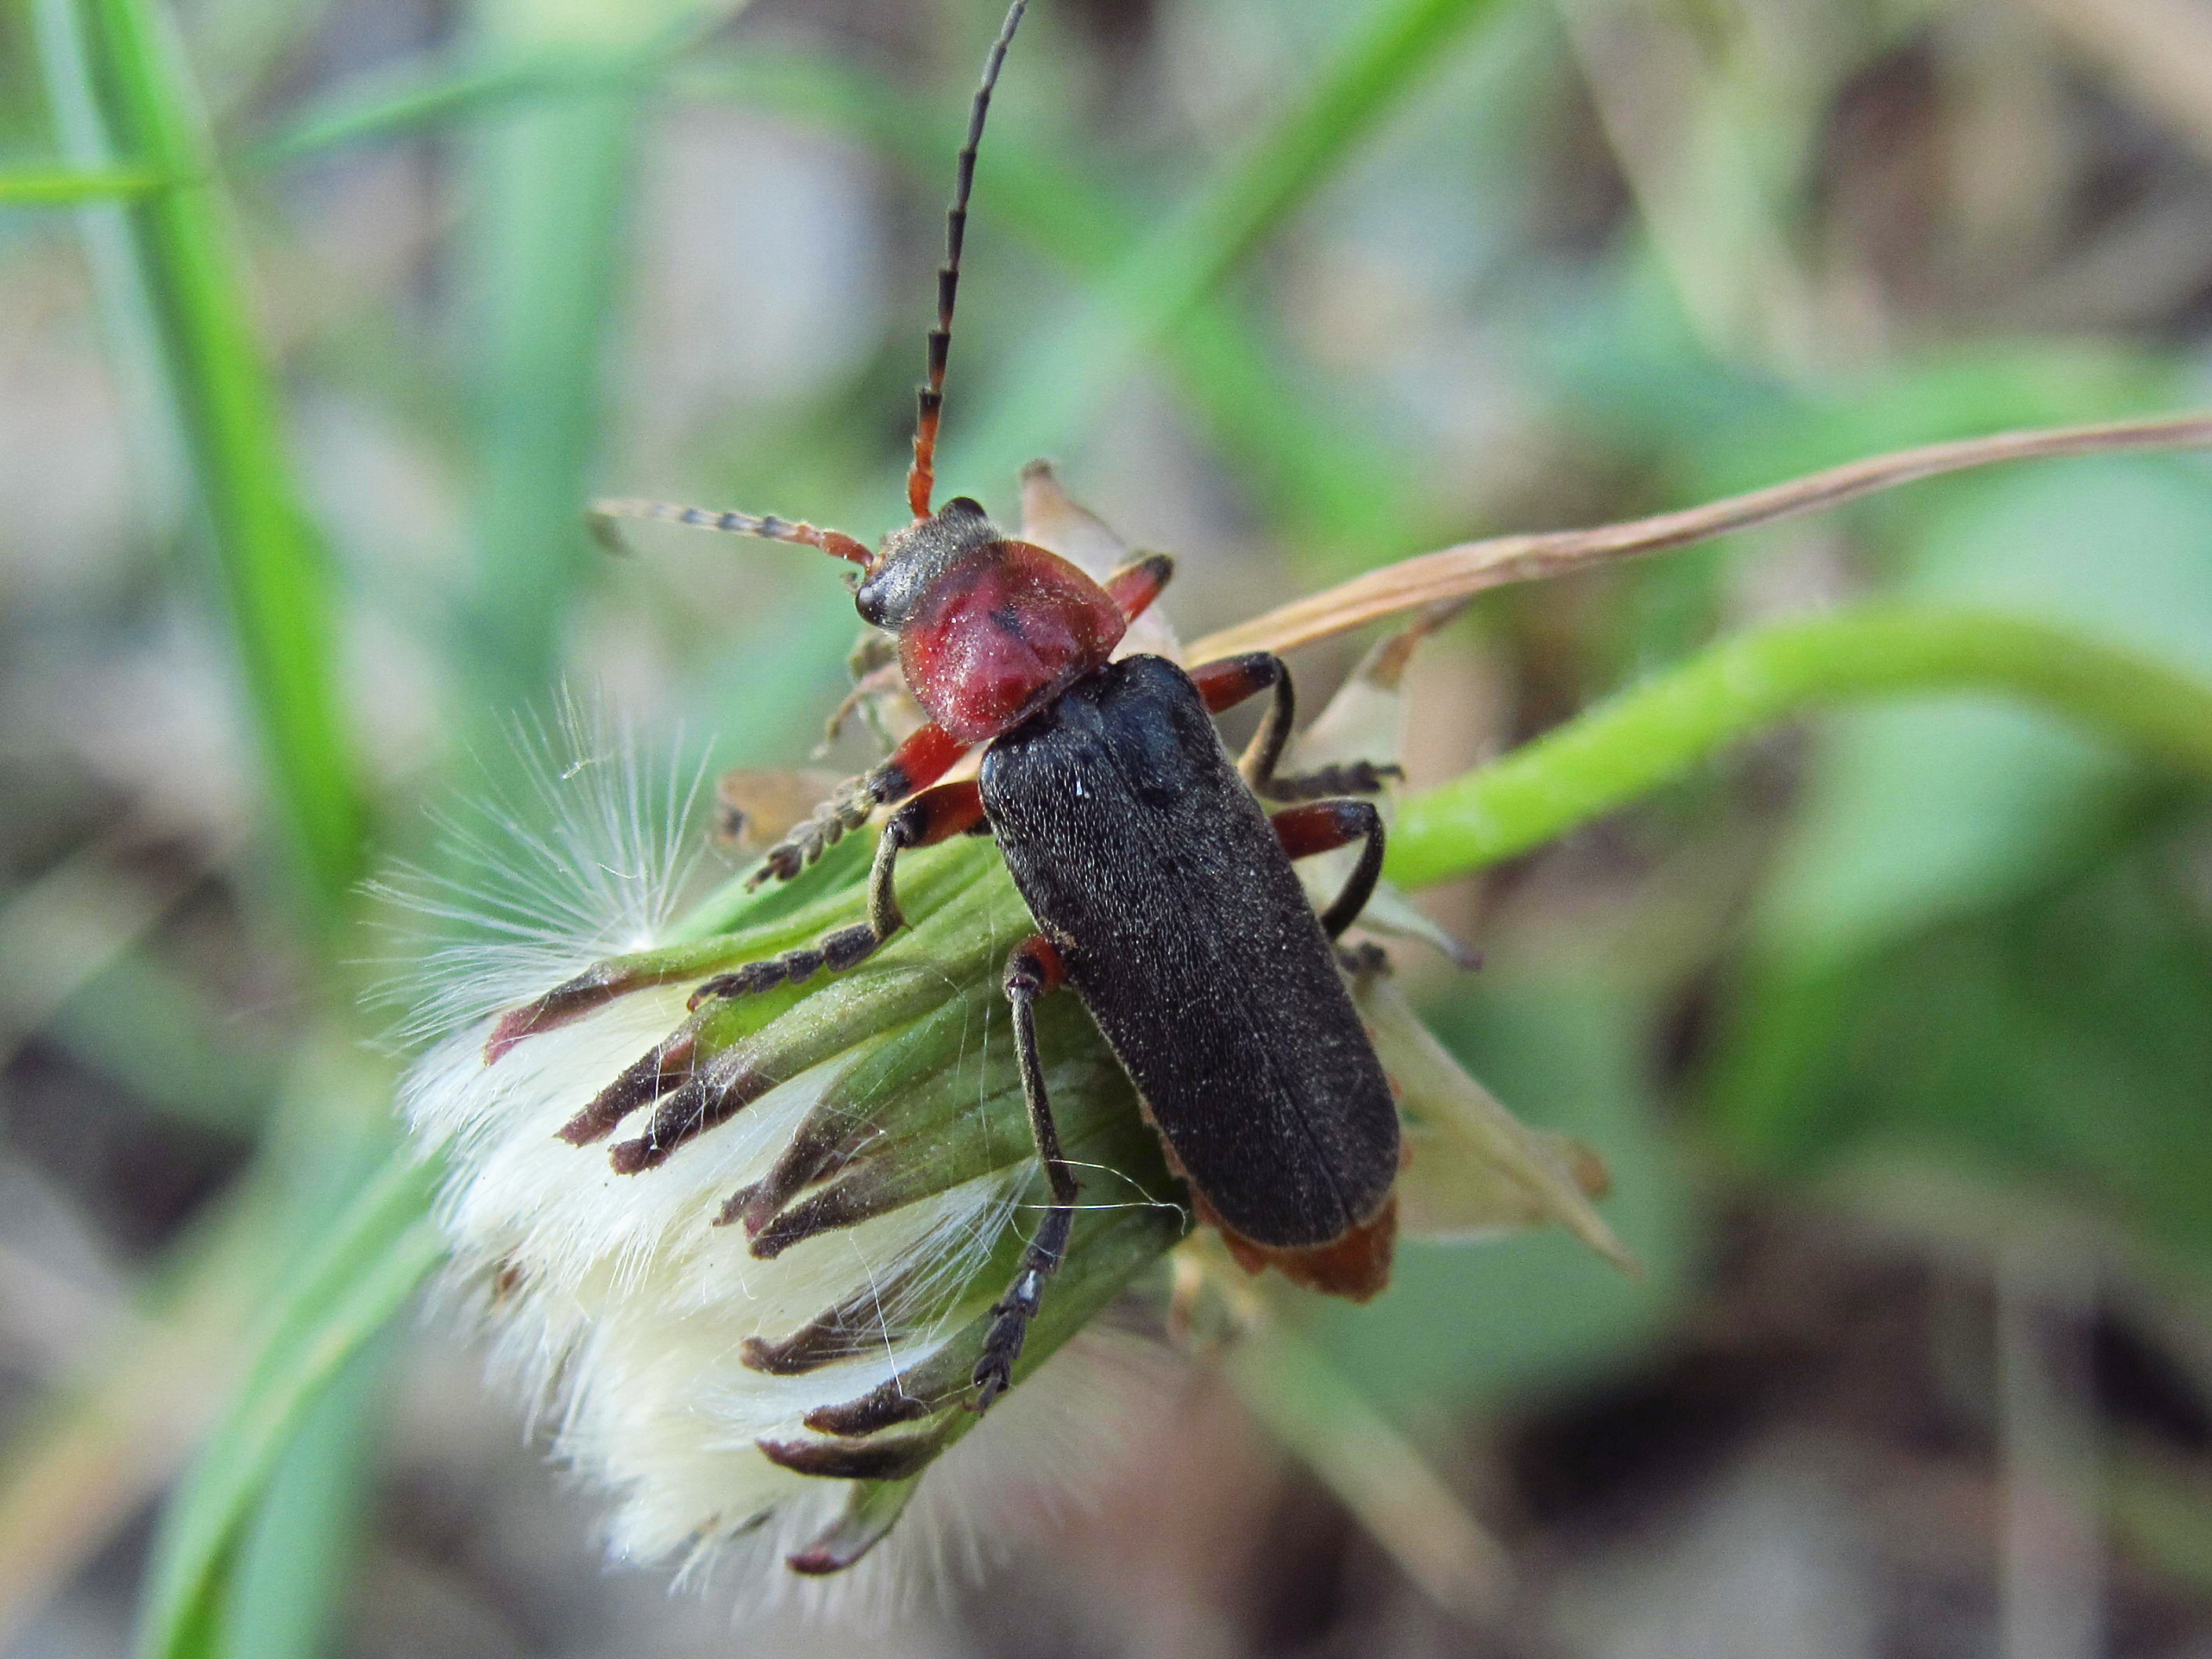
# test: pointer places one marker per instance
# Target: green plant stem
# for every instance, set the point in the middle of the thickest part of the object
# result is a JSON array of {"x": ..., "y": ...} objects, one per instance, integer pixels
[
  {"x": 1060, "y": 381},
  {"x": 1616, "y": 752},
  {"x": 277, "y": 589}
]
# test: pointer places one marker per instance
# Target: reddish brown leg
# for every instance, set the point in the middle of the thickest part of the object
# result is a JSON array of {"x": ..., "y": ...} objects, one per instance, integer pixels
[
  {"x": 1136, "y": 585},
  {"x": 1325, "y": 825},
  {"x": 1033, "y": 970},
  {"x": 933, "y": 816},
  {"x": 919, "y": 762},
  {"x": 1229, "y": 681}
]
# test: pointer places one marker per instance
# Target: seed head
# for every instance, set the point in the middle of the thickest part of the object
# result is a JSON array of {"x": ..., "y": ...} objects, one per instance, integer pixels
[{"x": 740, "y": 1250}]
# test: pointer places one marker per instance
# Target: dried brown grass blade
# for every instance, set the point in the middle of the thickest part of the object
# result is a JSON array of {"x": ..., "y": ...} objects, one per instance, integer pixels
[{"x": 1453, "y": 572}]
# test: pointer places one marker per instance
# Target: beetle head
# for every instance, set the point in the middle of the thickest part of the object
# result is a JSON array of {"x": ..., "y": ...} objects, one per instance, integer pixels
[{"x": 898, "y": 585}]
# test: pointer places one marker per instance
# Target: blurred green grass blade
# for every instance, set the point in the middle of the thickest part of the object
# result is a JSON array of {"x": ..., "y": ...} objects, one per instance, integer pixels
[
  {"x": 550, "y": 184},
  {"x": 447, "y": 88},
  {"x": 1059, "y": 382},
  {"x": 353, "y": 1279},
  {"x": 277, "y": 589},
  {"x": 1680, "y": 719},
  {"x": 286, "y": 1589},
  {"x": 64, "y": 188},
  {"x": 421, "y": 97},
  {"x": 128, "y": 330}
]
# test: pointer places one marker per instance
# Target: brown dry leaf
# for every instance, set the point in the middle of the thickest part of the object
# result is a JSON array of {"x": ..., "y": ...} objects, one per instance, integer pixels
[{"x": 1486, "y": 1170}]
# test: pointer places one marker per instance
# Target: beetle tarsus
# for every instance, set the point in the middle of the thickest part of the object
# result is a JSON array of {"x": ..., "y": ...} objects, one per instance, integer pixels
[
  {"x": 933, "y": 816},
  {"x": 1011, "y": 1313},
  {"x": 830, "y": 822},
  {"x": 1365, "y": 961},
  {"x": 846, "y": 948},
  {"x": 927, "y": 755},
  {"x": 1352, "y": 778}
]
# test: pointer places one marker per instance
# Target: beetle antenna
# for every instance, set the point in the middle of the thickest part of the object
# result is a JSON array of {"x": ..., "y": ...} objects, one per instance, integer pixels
[
  {"x": 602, "y": 515},
  {"x": 922, "y": 476}
]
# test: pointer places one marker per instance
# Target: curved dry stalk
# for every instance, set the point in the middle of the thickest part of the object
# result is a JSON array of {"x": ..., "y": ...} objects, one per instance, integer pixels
[
  {"x": 1455, "y": 573},
  {"x": 1373, "y": 1470}
]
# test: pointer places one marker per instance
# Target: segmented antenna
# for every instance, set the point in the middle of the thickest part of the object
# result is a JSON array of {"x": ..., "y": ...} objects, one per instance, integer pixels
[
  {"x": 921, "y": 477},
  {"x": 836, "y": 543}
]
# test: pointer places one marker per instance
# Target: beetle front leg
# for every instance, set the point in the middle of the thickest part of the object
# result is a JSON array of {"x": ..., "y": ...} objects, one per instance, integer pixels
[
  {"x": 1325, "y": 825},
  {"x": 934, "y": 815},
  {"x": 919, "y": 762},
  {"x": 1138, "y": 583},
  {"x": 1034, "y": 969},
  {"x": 1229, "y": 681}
]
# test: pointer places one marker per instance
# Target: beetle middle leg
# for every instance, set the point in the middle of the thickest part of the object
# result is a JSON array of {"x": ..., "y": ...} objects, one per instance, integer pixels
[
  {"x": 1322, "y": 826},
  {"x": 1034, "y": 969},
  {"x": 934, "y": 815},
  {"x": 1228, "y": 681}
]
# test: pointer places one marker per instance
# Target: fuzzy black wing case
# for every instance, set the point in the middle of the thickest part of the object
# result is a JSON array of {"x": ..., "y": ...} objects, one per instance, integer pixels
[{"x": 1140, "y": 851}]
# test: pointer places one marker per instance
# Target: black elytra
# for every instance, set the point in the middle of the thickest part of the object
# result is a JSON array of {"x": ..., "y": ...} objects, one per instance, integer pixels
[{"x": 1147, "y": 860}]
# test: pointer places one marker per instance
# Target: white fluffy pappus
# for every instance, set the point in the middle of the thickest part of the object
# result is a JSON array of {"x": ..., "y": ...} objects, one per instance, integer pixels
[{"x": 612, "y": 1302}]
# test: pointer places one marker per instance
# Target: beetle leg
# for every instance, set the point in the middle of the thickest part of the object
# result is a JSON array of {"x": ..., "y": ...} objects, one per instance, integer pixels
[
  {"x": 919, "y": 762},
  {"x": 1362, "y": 962},
  {"x": 1324, "y": 825},
  {"x": 1134, "y": 586},
  {"x": 934, "y": 815},
  {"x": 1034, "y": 968},
  {"x": 1349, "y": 778},
  {"x": 1229, "y": 681},
  {"x": 873, "y": 664}
]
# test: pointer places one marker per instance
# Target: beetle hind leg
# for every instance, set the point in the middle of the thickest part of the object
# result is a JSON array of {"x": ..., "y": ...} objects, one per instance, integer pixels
[
  {"x": 1321, "y": 826},
  {"x": 1034, "y": 969},
  {"x": 1228, "y": 681}
]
